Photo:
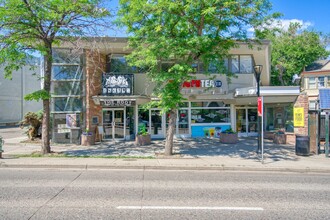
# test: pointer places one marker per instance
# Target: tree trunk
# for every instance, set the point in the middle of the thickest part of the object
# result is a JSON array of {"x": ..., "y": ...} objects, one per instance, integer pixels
[
  {"x": 45, "y": 147},
  {"x": 170, "y": 133}
]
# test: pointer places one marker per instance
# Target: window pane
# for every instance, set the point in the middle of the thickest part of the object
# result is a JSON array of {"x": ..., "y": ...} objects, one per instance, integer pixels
[
  {"x": 328, "y": 78},
  {"x": 67, "y": 88},
  {"x": 70, "y": 56},
  {"x": 118, "y": 65},
  {"x": 312, "y": 105},
  {"x": 67, "y": 72},
  {"x": 246, "y": 64},
  {"x": 67, "y": 104},
  {"x": 234, "y": 64},
  {"x": 320, "y": 82},
  {"x": 311, "y": 83},
  {"x": 210, "y": 116},
  {"x": 209, "y": 104}
]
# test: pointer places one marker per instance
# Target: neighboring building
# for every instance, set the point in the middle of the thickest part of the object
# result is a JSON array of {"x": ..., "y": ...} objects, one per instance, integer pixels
[
  {"x": 12, "y": 104},
  {"x": 316, "y": 76},
  {"x": 94, "y": 86}
]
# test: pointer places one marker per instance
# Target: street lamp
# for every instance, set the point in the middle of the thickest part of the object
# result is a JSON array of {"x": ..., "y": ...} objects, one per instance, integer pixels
[{"x": 257, "y": 74}]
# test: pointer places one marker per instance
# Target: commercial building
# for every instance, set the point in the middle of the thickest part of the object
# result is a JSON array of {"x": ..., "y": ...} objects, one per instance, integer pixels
[
  {"x": 24, "y": 81},
  {"x": 94, "y": 88}
]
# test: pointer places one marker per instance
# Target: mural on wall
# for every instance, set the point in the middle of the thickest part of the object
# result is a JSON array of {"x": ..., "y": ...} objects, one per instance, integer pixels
[{"x": 117, "y": 84}]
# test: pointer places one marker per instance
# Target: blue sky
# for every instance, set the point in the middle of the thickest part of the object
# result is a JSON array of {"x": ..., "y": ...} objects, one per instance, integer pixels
[{"x": 313, "y": 13}]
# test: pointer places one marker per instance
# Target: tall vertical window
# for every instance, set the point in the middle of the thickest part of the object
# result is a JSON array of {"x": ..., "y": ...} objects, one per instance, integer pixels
[
  {"x": 67, "y": 94},
  {"x": 320, "y": 82},
  {"x": 311, "y": 83},
  {"x": 328, "y": 81}
]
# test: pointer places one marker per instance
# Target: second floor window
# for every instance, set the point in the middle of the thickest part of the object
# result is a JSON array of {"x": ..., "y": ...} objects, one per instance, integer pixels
[
  {"x": 311, "y": 83},
  {"x": 320, "y": 82}
]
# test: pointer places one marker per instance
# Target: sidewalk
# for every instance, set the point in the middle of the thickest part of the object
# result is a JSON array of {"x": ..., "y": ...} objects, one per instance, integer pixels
[{"x": 201, "y": 154}]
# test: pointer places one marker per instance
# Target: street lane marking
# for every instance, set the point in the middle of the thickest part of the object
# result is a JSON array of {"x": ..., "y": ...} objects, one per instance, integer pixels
[{"x": 192, "y": 208}]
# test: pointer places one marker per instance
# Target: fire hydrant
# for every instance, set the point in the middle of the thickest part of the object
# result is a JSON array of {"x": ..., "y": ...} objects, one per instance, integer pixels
[{"x": 1, "y": 144}]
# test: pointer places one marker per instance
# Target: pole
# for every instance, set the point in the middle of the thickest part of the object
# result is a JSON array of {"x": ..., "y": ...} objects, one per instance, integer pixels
[
  {"x": 327, "y": 134},
  {"x": 258, "y": 94},
  {"x": 262, "y": 129}
]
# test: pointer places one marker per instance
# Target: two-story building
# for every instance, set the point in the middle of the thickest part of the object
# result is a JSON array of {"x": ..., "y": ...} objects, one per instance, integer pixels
[{"x": 94, "y": 86}]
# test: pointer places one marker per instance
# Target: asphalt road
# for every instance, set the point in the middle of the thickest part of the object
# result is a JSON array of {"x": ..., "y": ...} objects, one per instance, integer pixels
[{"x": 158, "y": 194}]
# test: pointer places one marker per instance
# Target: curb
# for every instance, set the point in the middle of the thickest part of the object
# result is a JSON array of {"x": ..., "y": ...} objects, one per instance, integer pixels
[{"x": 143, "y": 167}]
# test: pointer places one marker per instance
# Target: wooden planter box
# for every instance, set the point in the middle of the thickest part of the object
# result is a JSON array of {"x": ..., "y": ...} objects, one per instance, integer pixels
[
  {"x": 228, "y": 138},
  {"x": 142, "y": 140},
  {"x": 279, "y": 139},
  {"x": 87, "y": 140}
]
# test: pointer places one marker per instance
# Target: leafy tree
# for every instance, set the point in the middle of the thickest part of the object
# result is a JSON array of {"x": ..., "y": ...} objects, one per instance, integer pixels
[
  {"x": 292, "y": 51},
  {"x": 185, "y": 32},
  {"x": 39, "y": 25}
]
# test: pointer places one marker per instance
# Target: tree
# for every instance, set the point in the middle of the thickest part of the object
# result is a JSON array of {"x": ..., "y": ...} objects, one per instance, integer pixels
[
  {"x": 39, "y": 25},
  {"x": 292, "y": 51},
  {"x": 182, "y": 33}
]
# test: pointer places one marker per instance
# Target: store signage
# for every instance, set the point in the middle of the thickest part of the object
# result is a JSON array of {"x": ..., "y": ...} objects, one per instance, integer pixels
[
  {"x": 117, "y": 84},
  {"x": 202, "y": 83},
  {"x": 117, "y": 103},
  {"x": 298, "y": 117}
]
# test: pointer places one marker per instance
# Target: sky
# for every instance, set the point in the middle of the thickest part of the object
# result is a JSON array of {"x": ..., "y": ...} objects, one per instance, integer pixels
[{"x": 312, "y": 14}]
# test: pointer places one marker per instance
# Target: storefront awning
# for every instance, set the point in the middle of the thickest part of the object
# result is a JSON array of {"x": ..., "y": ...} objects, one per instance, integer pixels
[
  {"x": 120, "y": 101},
  {"x": 271, "y": 94}
]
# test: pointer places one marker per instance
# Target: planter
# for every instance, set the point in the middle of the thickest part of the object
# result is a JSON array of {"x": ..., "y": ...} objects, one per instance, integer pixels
[
  {"x": 228, "y": 138},
  {"x": 142, "y": 140},
  {"x": 279, "y": 139},
  {"x": 87, "y": 139}
]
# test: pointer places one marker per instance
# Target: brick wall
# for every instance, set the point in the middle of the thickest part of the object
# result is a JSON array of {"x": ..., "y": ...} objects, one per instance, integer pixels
[
  {"x": 95, "y": 66},
  {"x": 302, "y": 101}
]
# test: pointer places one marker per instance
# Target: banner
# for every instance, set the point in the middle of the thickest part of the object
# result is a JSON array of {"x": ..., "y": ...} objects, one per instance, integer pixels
[
  {"x": 117, "y": 84},
  {"x": 298, "y": 117},
  {"x": 260, "y": 109}
]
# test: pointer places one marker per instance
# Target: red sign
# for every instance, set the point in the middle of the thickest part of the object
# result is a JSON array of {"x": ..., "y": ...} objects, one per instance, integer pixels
[{"x": 260, "y": 106}]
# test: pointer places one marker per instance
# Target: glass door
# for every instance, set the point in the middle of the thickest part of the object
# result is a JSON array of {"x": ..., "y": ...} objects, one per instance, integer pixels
[
  {"x": 107, "y": 124},
  {"x": 252, "y": 122},
  {"x": 156, "y": 128},
  {"x": 241, "y": 122},
  {"x": 114, "y": 124}
]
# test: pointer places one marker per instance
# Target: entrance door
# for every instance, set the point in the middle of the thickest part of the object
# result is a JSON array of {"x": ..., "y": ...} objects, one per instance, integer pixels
[
  {"x": 246, "y": 121},
  {"x": 114, "y": 124}
]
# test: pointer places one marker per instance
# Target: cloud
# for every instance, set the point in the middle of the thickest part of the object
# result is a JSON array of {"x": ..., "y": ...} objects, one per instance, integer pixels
[{"x": 285, "y": 23}]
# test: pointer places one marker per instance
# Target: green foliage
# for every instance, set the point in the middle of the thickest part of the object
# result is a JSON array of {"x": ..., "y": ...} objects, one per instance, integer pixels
[
  {"x": 38, "y": 24},
  {"x": 229, "y": 131},
  {"x": 38, "y": 95},
  {"x": 292, "y": 50},
  {"x": 183, "y": 32}
]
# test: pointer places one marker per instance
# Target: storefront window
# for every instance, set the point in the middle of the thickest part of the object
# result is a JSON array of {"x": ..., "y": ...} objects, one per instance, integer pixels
[
  {"x": 62, "y": 133},
  {"x": 279, "y": 117},
  {"x": 210, "y": 116},
  {"x": 208, "y": 104}
]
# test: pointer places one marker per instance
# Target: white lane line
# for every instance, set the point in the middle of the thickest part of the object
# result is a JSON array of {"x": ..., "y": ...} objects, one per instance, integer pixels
[{"x": 193, "y": 208}]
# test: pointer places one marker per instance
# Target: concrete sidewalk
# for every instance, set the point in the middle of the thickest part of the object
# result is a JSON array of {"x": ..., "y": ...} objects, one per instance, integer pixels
[{"x": 188, "y": 154}]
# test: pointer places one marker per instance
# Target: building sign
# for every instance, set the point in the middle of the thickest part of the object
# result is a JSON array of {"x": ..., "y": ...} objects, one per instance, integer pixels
[
  {"x": 298, "y": 117},
  {"x": 116, "y": 103},
  {"x": 202, "y": 83},
  {"x": 117, "y": 84}
]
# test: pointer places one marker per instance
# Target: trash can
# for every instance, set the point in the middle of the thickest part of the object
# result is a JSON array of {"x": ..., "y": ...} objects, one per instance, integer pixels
[{"x": 302, "y": 145}]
